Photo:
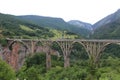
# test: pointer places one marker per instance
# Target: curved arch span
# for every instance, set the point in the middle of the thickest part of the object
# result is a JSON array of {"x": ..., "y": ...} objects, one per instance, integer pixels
[{"x": 25, "y": 45}]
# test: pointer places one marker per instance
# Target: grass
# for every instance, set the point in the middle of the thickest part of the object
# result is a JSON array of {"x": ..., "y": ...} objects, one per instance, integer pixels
[
  {"x": 26, "y": 28},
  {"x": 60, "y": 34}
]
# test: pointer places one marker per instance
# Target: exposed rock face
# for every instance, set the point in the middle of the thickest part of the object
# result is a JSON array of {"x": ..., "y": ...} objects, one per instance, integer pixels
[
  {"x": 81, "y": 24},
  {"x": 11, "y": 56},
  {"x": 16, "y": 56}
]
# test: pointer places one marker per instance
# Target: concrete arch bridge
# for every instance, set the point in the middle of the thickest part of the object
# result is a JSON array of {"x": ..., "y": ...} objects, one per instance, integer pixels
[{"x": 93, "y": 47}]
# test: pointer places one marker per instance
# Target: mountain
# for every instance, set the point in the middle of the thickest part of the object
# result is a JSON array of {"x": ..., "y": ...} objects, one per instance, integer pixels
[
  {"x": 108, "y": 27},
  {"x": 55, "y": 23},
  {"x": 11, "y": 26},
  {"x": 81, "y": 24},
  {"x": 108, "y": 19},
  {"x": 108, "y": 31}
]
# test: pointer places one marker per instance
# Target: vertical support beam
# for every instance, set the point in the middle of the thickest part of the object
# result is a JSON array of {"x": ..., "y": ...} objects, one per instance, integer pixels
[
  {"x": 31, "y": 47},
  {"x": 94, "y": 50},
  {"x": 46, "y": 45},
  {"x": 66, "y": 49}
]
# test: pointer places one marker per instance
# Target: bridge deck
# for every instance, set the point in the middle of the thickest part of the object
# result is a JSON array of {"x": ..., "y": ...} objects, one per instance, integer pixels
[{"x": 75, "y": 40}]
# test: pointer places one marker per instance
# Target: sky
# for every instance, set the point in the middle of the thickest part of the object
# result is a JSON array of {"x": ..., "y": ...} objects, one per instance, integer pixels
[{"x": 89, "y": 11}]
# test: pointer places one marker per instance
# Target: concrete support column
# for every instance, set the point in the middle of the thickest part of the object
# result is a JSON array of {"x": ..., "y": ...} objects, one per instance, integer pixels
[
  {"x": 47, "y": 45},
  {"x": 33, "y": 43},
  {"x": 48, "y": 60},
  {"x": 94, "y": 50},
  {"x": 31, "y": 47},
  {"x": 66, "y": 49}
]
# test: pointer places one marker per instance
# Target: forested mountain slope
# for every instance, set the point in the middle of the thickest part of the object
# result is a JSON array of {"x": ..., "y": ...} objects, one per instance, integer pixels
[
  {"x": 108, "y": 19},
  {"x": 11, "y": 26},
  {"x": 55, "y": 23},
  {"x": 108, "y": 27},
  {"x": 108, "y": 31}
]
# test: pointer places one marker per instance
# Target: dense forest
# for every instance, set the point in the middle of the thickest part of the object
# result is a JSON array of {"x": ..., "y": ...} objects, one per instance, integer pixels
[
  {"x": 11, "y": 26},
  {"x": 34, "y": 67},
  {"x": 55, "y": 23}
]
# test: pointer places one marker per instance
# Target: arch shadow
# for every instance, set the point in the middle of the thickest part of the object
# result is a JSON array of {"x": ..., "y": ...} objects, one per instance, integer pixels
[
  {"x": 79, "y": 50},
  {"x": 111, "y": 49}
]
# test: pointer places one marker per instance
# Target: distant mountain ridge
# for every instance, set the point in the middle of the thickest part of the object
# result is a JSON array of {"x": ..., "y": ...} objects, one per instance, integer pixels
[
  {"x": 108, "y": 19},
  {"x": 55, "y": 23},
  {"x": 81, "y": 24},
  {"x": 108, "y": 27}
]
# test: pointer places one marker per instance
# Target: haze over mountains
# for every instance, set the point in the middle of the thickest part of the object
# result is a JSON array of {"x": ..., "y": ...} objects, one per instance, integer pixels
[{"x": 107, "y": 27}]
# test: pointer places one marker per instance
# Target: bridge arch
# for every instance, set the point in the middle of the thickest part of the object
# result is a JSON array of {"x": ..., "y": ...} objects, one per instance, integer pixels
[
  {"x": 18, "y": 52},
  {"x": 15, "y": 41},
  {"x": 56, "y": 46},
  {"x": 111, "y": 47},
  {"x": 92, "y": 47},
  {"x": 78, "y": 46}
]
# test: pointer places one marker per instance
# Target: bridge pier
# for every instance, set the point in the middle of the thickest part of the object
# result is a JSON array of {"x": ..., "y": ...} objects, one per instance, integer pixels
[
  {"x": 94, "y": 50},
  {"x": 66, "y": 49},
  {"x": 47, "y": 45},
  {"x": 31, "y": 46}
]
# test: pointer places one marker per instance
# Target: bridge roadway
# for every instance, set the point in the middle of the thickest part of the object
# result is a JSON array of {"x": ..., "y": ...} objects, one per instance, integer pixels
[
  {"x": 93, "y": 47},
  {"x": 76, "y": 40}
]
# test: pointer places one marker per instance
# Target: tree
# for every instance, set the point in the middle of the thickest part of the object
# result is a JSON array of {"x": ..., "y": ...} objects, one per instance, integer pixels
[{"x": 6, "y": 72}]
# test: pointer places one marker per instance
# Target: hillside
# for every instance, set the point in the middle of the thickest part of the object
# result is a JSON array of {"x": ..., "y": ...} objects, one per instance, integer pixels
[
  {"x": 108, "y": 19},
  {"x": 81, "y": 24},
  {"x": 10, "y": 26},
  {"x": 108, "y": 27},
  {"x": 108, "y": 31},
  {"x": 55, "y": 23}
]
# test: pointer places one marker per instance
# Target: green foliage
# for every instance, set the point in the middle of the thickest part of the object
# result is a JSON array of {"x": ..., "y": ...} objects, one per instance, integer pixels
[
  {"x": 3, "y": 42},
  {"x": 110, "y": 69},
  {"x": 11, "y": 26},
  {"x": 55, "y": 23},
  {"x": 37, "y": 59},
  {"x": 26, "y": 28},
  {"x": 34, "y": 69},
  {"x": 63, "y": 34},
  {"x": 72, "y": 73},
  {"x": 6, "y": 72},
  {"x": 112, "y": 50},
  {"x": 108, "y": 31},
  {"x": 31, "y": 73}
]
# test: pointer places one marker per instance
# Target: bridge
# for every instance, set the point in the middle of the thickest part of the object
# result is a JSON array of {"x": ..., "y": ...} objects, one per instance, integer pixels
[{"x": 93, "y": 47}]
